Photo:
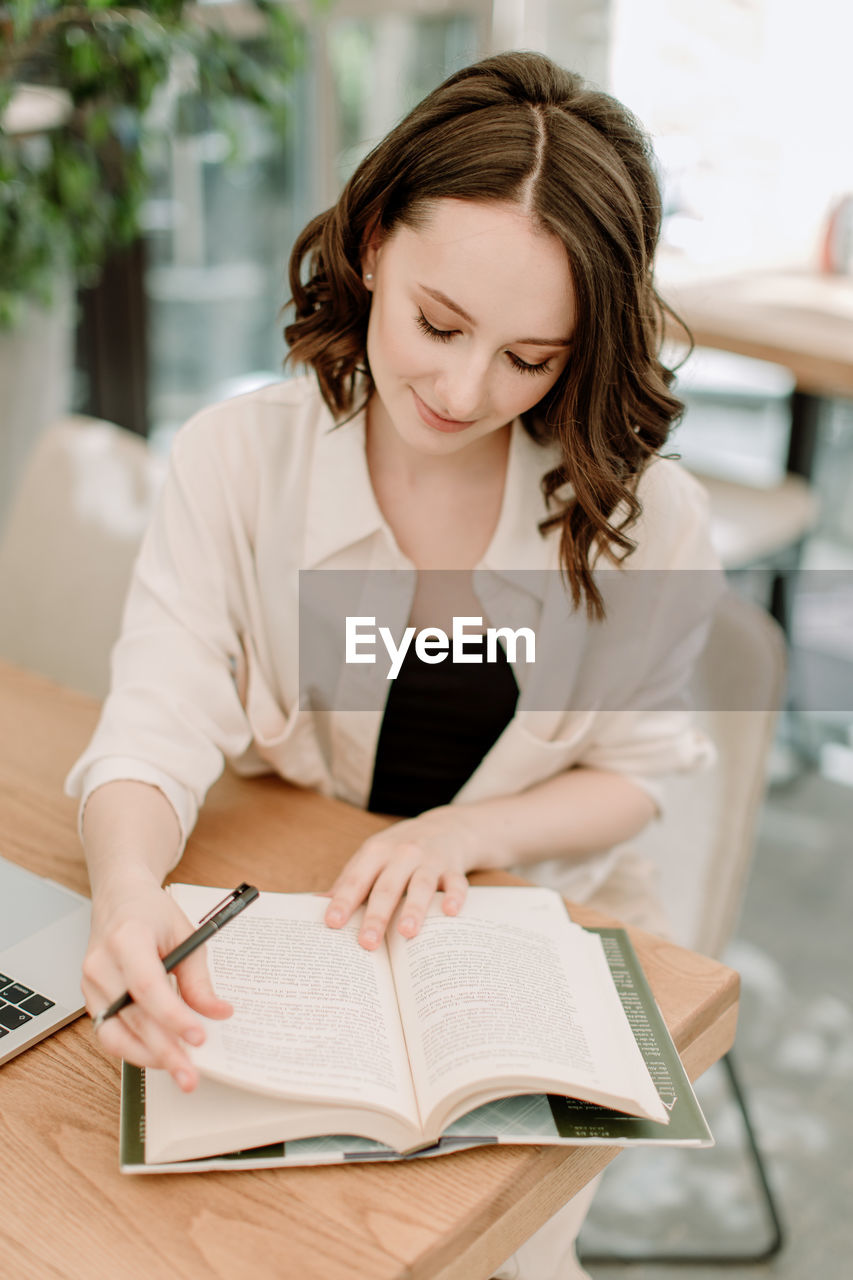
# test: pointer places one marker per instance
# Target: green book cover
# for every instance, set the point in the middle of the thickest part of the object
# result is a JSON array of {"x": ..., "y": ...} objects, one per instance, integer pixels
[
  {"x": 532, "y": 1118},
  {"x": 579, "y": 1120}
]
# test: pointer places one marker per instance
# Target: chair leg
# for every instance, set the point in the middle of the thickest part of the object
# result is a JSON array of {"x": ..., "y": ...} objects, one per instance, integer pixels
[{"x": 723, "y": 1258}]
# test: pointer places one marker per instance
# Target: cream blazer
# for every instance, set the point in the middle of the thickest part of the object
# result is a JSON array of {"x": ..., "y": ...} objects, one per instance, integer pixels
[{"x": 207, "y": 665}]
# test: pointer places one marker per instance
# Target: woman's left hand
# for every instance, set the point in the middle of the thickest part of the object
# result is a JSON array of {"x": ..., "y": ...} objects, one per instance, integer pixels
[{"x": 412, "y": 859}]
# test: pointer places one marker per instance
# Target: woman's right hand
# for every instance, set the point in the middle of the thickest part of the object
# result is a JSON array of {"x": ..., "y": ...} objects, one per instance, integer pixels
[{"x": 134, "y": 924}]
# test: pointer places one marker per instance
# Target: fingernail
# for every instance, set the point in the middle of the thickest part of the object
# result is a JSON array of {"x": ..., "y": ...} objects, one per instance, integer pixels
[
  {"x": 194, "y": 1035},
  {"x": 407, "y": 925},
  {"x": 185, "y": 1080},
  {"x": 335, "y": 917},
  {"x": 370, "y": 936}
]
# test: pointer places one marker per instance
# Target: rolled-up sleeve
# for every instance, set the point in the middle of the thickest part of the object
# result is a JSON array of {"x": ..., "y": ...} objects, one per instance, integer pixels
[{"x": 646, "y": 747}]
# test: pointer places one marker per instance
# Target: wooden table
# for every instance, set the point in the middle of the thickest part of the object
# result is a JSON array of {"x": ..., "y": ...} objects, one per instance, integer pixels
[
  {"x": 799, "y": 319},
  {"x": 69, "y": 1213}
]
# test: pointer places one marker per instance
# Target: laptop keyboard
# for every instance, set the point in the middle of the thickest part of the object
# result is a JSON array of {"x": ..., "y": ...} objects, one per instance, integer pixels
[{"x": 19, "y": 1004}]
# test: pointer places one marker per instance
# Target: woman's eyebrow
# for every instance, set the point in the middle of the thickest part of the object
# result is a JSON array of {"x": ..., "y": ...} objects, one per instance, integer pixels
[
  {"x": 447, "y": 302},
  {"x": 460, "y": 311}
]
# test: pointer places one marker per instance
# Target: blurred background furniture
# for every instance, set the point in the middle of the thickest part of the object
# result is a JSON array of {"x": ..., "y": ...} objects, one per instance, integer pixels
[
  {"x": 802, "y": 320},
  {"x": 781, "y": 448},
  {"x": 704, "y": 843},
  {"x": 68, "y": 546},
  {"x": 735, "y": 438}
]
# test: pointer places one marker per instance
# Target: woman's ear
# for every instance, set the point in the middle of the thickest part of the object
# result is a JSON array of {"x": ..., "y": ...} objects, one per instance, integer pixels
[{"x": 370, "y": 257}]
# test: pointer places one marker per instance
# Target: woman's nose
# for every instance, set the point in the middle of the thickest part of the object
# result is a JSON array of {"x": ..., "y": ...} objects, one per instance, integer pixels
[{"x": 460, "y": 389}]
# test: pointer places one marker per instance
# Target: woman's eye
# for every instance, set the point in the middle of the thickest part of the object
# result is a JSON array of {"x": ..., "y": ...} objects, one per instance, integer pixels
[
  {"x": 440, "y": 335},
  {"x": 444, "y": 335},
  {"x": 523, "y": 367}
]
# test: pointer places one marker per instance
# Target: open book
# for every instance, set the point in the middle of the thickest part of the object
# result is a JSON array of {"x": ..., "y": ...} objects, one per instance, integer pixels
[{"x": 509, "y": 998}]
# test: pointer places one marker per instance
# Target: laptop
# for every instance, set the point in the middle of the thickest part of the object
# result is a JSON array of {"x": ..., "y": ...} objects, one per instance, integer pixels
[{"x": 44, "y": 930}]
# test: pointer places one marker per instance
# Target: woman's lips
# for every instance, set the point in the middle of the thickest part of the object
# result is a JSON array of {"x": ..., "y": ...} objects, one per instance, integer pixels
[{"x": 435, "y": 420}]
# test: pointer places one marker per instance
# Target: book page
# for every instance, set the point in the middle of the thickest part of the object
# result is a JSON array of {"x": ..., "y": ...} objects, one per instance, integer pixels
[
  {"x": 511, "y": 988},
  {"x": 315, "y": 1015}
]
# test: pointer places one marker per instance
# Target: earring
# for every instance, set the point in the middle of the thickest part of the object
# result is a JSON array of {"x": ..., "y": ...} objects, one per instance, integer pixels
[{"x": 369, "y": 276}]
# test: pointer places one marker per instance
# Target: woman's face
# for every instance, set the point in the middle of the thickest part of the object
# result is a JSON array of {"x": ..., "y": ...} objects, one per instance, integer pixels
[{"x": 470, "y": 322}]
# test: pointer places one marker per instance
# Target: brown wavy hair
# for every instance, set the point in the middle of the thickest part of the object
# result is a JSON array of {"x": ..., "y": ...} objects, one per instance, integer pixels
[{"x": 517, "y": 128}]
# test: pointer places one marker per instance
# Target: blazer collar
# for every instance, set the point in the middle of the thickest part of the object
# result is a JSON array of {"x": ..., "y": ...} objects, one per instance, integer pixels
[{"x": 342, "y": 509}]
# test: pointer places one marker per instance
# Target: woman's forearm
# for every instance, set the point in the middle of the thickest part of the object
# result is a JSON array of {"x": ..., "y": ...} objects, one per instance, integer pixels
[
  {"x": 129, "y": 830},
  {"x": 572, "y": 815}
]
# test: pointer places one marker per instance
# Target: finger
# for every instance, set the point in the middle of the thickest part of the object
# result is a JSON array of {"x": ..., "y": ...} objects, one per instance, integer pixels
[
  {"x": 169, "y": 1052},
  {"x": 455, "y": 886},
  {"x": 196, "y": 987},
  {"x": 353, "y": 885},
  {"x": 386, "y": 894},
  {"x": 138, "y": 1039},
  {"x": 422, "y": 889},
  {"x": 117, "y": 1038},
  {"x": 146, "y": 980},
  {"x": 100, "y": 976},
  {"x": 129, "y": 1034}
]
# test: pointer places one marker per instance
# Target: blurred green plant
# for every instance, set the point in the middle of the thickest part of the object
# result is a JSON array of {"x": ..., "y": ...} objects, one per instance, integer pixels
[{"x": 73, "y": 194}]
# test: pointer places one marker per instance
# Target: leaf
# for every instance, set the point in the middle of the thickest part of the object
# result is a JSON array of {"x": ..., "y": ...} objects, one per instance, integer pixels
[
  {"x": 87, "y": 60},
  {"x": 97, "y": 127},
  {"x": 23, "y": 13},
  {"x": 80, "y": 190}
]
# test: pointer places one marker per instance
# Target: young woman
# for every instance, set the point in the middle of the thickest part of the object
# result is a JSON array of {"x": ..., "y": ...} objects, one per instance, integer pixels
[{"x": 484, "y": 394}]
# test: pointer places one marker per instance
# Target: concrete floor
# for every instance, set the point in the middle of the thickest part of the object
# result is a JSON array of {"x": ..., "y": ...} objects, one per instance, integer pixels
[{"x": 794, "y": 1053}]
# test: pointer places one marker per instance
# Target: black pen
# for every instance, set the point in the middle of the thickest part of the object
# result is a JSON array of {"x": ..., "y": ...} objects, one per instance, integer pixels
[{"x": 210, "y": 924}]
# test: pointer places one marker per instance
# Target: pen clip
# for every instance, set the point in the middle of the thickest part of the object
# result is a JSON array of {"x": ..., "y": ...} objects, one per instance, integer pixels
[{"x": 232, "y": 897}]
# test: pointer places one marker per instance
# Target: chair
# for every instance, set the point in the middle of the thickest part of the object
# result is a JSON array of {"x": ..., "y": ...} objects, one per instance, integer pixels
[
  {"x": 703, "y": 845},
  {"x": 737, "y": 689},
  {"x": 68, "y": 546}
]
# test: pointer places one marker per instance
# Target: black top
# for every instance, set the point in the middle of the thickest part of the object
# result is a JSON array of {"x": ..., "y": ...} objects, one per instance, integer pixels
[{"x": 440, "y": 720}]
